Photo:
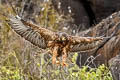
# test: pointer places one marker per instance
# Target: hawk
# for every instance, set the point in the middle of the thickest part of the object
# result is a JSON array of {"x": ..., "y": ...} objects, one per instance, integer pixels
[{"x": 59, "y": 43}]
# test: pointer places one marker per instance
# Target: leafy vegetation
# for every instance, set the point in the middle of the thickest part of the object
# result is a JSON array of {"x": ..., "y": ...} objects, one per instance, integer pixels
[{"x": 19, "y": 60}]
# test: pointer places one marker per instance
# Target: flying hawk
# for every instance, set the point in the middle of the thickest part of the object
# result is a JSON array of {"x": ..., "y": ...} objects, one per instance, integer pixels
[{"x": 59, "y": 43}]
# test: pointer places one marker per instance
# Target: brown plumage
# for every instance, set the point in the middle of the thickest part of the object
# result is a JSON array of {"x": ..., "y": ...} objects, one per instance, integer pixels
[{"x": 59, "y": 43}]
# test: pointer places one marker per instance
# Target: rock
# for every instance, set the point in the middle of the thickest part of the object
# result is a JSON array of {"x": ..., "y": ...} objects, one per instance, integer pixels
[
  {"x": 78, "y": 11},
  {"x": 114, "y": 64},
  {"x": 104, "y": 8}
]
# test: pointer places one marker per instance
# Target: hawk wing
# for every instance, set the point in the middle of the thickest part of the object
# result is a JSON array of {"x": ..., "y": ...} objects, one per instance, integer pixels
[
  {"x": 36, "y": 35},
  {"x": 84, "y": 44},
  {"x": 90, "y": 43},
  {"x": 41, "y": 36}
]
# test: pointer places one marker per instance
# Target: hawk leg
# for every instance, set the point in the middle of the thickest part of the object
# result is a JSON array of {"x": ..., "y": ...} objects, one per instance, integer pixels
[
  {"x": 64, "y": 57},
  {"x": 55, "y": 53}
]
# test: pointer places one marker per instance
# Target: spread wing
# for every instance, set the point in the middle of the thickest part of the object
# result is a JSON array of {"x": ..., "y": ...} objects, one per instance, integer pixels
[
  {"x": 90, "y": 43},
  {"x": 85, "y": 44},
  {"x": 34, "y": 34}
]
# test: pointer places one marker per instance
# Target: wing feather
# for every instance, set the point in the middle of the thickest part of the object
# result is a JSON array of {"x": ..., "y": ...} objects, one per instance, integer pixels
[
  {"x": 85, "y": 43},
  {"x": 30, "y": 32}
]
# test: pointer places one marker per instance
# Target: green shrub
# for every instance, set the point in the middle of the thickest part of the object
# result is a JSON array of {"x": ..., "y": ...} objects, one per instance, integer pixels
[
  {"x": 86, "y": 73},
  {"x": 9, "y": 73}
]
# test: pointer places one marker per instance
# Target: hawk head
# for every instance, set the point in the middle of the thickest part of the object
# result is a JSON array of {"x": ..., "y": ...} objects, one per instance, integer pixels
[{"x": 62, "y": 37}]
